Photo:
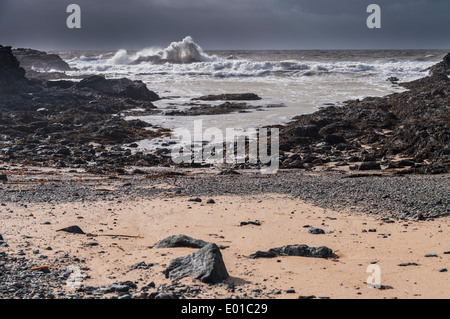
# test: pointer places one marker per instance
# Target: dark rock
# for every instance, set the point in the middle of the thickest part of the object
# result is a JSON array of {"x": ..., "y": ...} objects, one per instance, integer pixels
[
  {"x": 210, "y": 201},
  {"x": 442, "y": 67},
  {"x": 196, "y": 200},
  {"x": 166, "y": 296},
  {"x": 118, "y": 87},
  {"x": 230, "y": 97},
  {"x": 224, "y": 108},
  {"x": 205, "y": 264},
  {"x": 316, "y": 231},
  {"x": 295, "y": 250},
  {"x": 3, "y": 177},
  {"x": 393, "y": 79},
  {"x": 255, "y": 223},
  {"x": 307, "y": 131},
  {"x": 290, "y": 291},
  {"x": 180, "y": 241},
  {"x": 368, "y": 166},
  {"x": 33, "y": 59},
  {"x": 73, "y": 230},
  {"x": 407, "y": 264},
  {"x": 334, "y": 139},
  {"x": 307, "y": 297},
  {"x": 10, "y": 70}
]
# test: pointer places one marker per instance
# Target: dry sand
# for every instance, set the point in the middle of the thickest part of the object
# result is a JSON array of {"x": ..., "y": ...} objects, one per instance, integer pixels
[{"x": 283, "y": 221}]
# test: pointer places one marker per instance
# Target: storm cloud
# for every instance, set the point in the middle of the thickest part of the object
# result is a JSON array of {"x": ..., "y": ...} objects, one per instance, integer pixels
[{"x": 232, "y": 24}]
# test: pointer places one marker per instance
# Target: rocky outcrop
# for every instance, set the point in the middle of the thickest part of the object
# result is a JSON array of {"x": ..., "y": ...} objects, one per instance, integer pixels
[
  {"x": 32, "y": 60},
  {"x": 205, "y": 264},
  {"x": 10, "y": 70},
  {"x": 124, "y": 87},
  {"x": 54, "y": 122},
  {"x": 442, "y": 67},
  {"x": 410, "y": 128}
]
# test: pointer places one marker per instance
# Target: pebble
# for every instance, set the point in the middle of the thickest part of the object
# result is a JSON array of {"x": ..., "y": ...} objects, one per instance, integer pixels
[{"x": 316, "y": 231}]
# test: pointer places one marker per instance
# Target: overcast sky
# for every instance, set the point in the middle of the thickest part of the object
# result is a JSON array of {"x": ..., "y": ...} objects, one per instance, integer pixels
[{"x": 226, "y": 24}]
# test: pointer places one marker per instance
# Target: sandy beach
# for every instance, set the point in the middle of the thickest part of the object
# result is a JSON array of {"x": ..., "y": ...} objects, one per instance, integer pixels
[{"x": 121, "y": 233}]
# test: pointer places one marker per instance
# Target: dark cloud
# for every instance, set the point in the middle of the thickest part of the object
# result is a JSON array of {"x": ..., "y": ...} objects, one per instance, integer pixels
[{"x": 232, "y": 24}]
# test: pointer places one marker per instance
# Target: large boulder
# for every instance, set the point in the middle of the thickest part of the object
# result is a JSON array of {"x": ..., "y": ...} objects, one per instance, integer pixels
[
  {"x": 180, "y": 241},
  {"x": 205, "y": 264},
  {"x": 124, "y": 87}
]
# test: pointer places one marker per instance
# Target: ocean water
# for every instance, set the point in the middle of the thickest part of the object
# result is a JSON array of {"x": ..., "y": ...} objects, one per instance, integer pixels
[{"x": 302, "y": 81}]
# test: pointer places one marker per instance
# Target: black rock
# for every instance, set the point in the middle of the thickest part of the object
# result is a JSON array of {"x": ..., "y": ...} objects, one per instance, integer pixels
[
  {"x": 10, "y": 70},
  {"x": 118, "y": 87},
  {"x": 230, "y": 97},
  {"x": 334, "y": 139},
  {"x": 367, "y": 166},
  {"x": 407, "y": 264},
  {"x": 316, "y": 231},
  {"x": 205, "y": 264},
  {"x": 442, "y": 67},
  {"x": 165, "y": 296},
  {"x": 3, "y": 177},
  {"x": 255, "y": 223},
  {"x": 295, "y": 250},
  {"x": 33, "y": 59},
  {"x": 73, "y": 230}
]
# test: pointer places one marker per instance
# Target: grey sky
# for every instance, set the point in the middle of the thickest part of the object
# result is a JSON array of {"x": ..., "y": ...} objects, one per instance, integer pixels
[{"x": 230, "y": 24}]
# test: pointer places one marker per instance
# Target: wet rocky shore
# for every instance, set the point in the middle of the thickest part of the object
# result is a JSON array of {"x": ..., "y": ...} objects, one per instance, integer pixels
[{"x": 81, "y": 122}]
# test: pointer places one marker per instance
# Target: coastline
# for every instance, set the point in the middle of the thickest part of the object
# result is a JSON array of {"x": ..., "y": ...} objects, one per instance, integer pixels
[{"x": 355, "y": 171}]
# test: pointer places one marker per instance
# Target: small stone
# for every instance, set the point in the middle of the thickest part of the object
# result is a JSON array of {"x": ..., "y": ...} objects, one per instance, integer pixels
[
  {"x": 316, "y": 231},
  {"x": 290, "y": 291},
  {"x": 407, "y": 264},
  {"x": 210, "y": 201},
  {"x": 72, "y": 230}
]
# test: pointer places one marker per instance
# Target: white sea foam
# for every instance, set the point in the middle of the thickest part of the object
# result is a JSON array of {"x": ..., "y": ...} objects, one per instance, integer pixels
[{"x": 185, "y": 51}]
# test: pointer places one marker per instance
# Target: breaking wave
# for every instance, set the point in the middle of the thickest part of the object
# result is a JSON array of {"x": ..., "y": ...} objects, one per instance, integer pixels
[
  {"x": 185, "y": 51},
  {"x": 187, "y": 58}
]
